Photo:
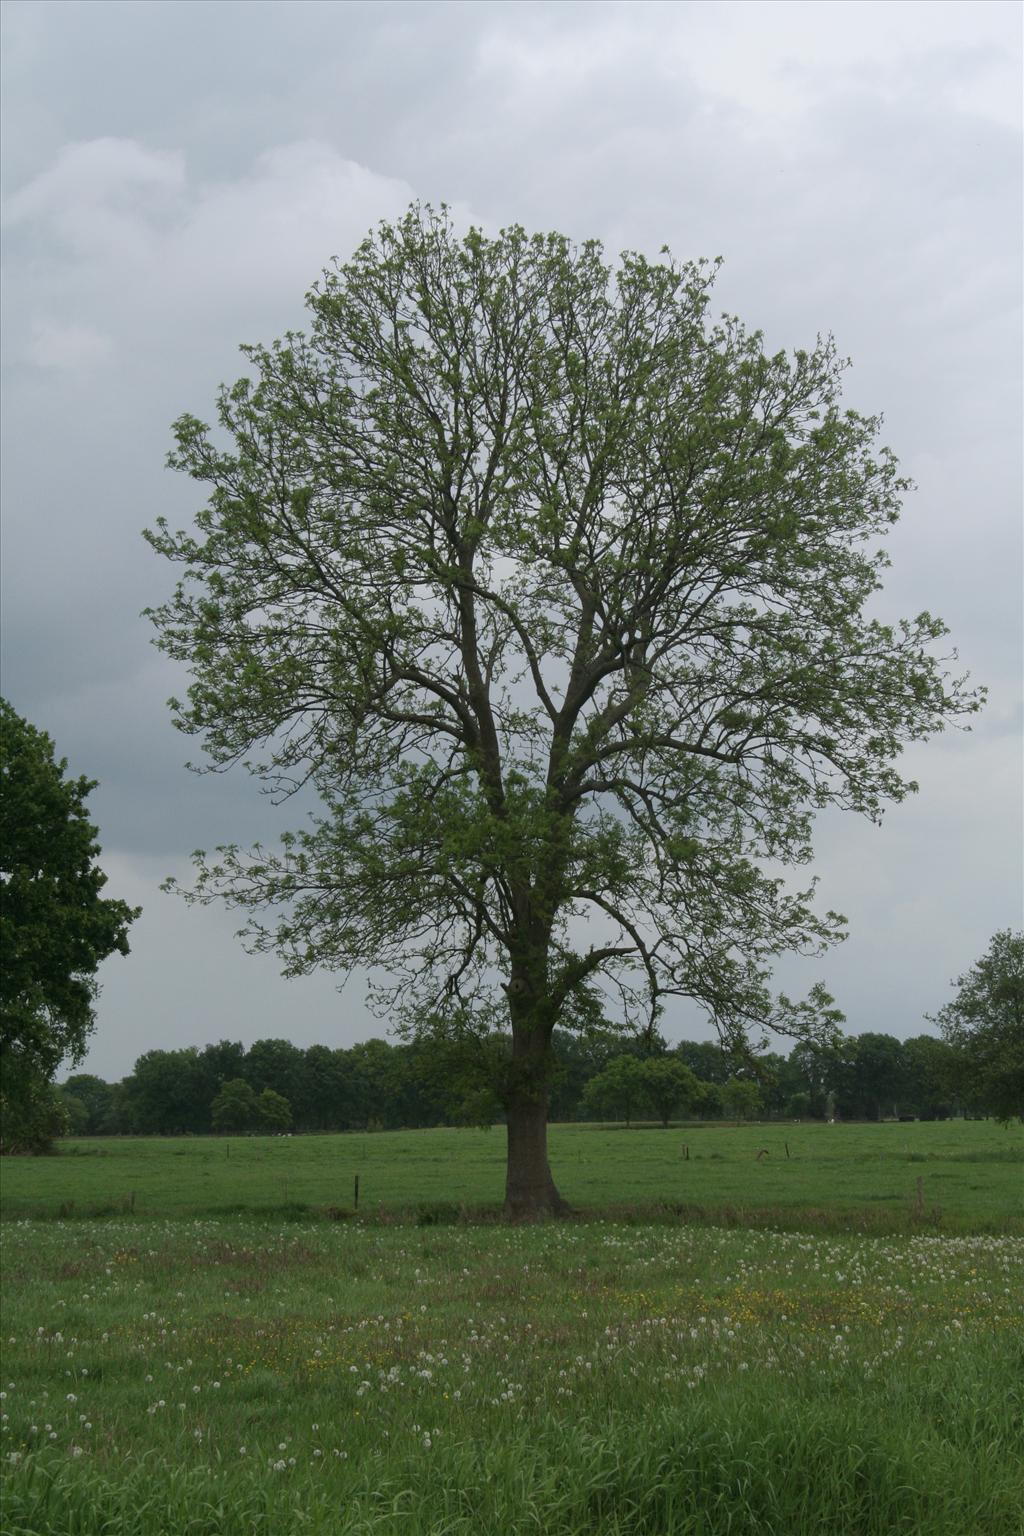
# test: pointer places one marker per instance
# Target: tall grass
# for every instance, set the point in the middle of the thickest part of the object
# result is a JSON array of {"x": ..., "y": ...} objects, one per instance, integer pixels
[
  {"x": 230, "y": 1376},
  {"x": 738, "y": 1466}
]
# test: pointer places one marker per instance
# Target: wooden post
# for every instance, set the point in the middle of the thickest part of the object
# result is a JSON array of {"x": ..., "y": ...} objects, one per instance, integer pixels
[
  {"x": 355, "y": 1194},
  {"x": 920, "y": 1195},
  {"x": 786, "y": 1145}
]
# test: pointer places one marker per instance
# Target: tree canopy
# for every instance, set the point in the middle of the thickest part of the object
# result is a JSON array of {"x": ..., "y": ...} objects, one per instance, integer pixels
[
  {"x": 234, "y": 1108},
  {"x": 55, "y": 927},
  {"x": 552, "y": 588},
  {"x": 985, "y": 1024},
  {"x": 425, "y": 1082}
]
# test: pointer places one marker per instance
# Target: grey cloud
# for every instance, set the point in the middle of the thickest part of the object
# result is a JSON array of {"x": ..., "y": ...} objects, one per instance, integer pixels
[{"x": 175, "y": 178}]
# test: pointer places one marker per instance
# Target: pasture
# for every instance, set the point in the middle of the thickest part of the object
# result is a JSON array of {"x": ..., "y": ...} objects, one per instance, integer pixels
[
  {"x": 228, "y": 1361},
  {"x": 864, "y": 1177}
]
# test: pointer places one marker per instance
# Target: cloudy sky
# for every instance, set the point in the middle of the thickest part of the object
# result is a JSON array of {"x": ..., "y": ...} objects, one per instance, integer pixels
[{"x": 174, "y": 178}]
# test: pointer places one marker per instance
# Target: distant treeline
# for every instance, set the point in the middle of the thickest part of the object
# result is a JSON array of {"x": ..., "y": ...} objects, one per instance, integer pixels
[{"x": 274, "y": 1085}]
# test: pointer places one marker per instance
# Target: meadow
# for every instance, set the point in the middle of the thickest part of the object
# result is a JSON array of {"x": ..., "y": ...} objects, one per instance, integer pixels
[
  {"x": 856, "y": 1176},
  {"x": 227, "y": 1358}
]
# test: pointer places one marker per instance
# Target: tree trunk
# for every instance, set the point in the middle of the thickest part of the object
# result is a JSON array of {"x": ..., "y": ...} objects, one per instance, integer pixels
[{"x": 529, "y": 1188}]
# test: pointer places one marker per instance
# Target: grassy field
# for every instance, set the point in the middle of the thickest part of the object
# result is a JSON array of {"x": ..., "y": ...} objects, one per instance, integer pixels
[
  {"x": 864, "y": 1176},
  {"x": 260, "y": 1372}
]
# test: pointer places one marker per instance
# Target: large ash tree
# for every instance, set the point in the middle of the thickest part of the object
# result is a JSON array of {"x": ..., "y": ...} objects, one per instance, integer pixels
[{"x": 553, "y": 590}]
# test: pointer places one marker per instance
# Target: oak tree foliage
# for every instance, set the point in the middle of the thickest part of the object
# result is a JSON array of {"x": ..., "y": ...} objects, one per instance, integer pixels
[
  {"x": 55, "y": 927},
  {"x": 552, "y": 587}
]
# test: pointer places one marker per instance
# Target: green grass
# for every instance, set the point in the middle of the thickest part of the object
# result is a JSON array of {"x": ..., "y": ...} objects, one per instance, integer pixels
[
  {"x": 861, "y": 1176},
  {"x": 235, "y": 1376},
  {"x": 227, "y": 1361}
]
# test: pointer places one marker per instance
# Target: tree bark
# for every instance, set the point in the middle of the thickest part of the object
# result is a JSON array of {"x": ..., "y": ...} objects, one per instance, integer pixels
[{"x": 530, "y": 1191}]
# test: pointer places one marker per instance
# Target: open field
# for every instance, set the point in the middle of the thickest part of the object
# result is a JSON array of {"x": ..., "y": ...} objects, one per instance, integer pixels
[
  {"x": 232, "y": 1377},
  {"x": 259, "y": 1372},
  {"x": 864, "y": 1176}
]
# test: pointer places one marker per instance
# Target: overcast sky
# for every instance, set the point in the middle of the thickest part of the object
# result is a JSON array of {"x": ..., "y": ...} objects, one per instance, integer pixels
[{"x": 174, "y": 178}]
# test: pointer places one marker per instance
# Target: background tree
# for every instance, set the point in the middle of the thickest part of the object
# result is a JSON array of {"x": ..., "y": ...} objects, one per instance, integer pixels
[
  {"x": 820, "y": 1068},
  {"x": 122, "y": 1117},
  {"x": 373, "y": 1080},
  {"x": 705, "y": 1060},
  {"x": 235, "y": 1109},
  {"x": 171, "y": 1093},
  {"x": 618, "y": 1089},
  {"x": 776, "y": 1080},
  {"x": 669, "y": 1085},
  {"x": 709, "y": 1105},
  {"x": 451, "y": 1080},
  {"x": 218, "y": 1064},
  {"x": 578, "y": 1058},
  {"x": 96, "y": 1095},
  {"x": 275, "y": 1064},
  {"x": 931, "y": 1067},
  {"x": 740, "y": 1098},
  {"x": 75, "y": 1113},
  {"x": 786, "y": 1085},
  {"x": 553, "y": 590},
  {"x": 273, "y": 1113},
  {"x": 55, "y": 927},
  {"x": 985, "y": 1025},
  {"x": 420, "y": 1091},
  {"x": 878, "y": 1077},
  {"x": 324, "y": 1106}
]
